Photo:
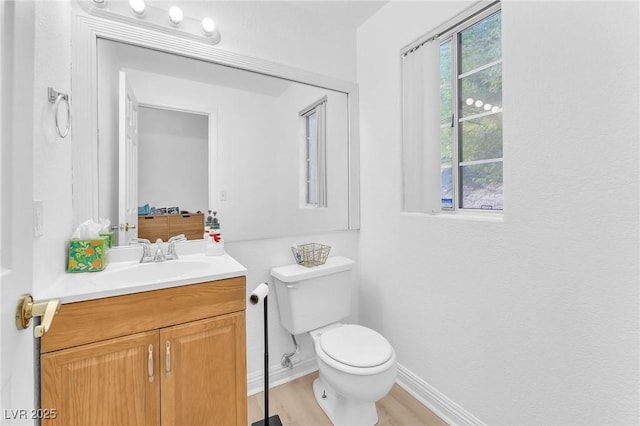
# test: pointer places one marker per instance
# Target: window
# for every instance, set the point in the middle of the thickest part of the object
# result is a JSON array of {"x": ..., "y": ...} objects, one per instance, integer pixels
[
  {"x": 468, "y": 120},
  {"x": 314, "y": 117}
]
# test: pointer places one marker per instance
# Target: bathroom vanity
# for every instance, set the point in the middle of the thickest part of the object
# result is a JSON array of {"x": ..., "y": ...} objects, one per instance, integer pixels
[{"x": 169, "y": 355}]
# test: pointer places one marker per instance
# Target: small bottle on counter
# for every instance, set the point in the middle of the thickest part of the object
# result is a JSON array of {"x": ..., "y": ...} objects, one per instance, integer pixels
[
  {"x": 215, "y": 243},
  {"x": 208, "y": 223}
]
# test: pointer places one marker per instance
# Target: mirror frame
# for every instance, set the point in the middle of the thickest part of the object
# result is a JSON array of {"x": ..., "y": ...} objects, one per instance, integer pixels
[{"x": 85, "y": 31}]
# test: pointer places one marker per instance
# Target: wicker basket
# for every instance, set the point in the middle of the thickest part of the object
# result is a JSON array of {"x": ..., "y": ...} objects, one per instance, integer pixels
[{"x": 311, "y": 254}]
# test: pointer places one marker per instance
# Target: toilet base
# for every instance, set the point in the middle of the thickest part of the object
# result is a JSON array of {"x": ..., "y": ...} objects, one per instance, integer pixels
[{"x": 342, "y": 411}]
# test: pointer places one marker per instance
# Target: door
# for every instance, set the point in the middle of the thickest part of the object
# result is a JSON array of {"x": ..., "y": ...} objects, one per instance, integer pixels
[
  {"x": 127, "y": 162},
  {"x": 16, "y": 192},
  {"x": 203, "y": 372},
  {"x": 113, "y": 382}
]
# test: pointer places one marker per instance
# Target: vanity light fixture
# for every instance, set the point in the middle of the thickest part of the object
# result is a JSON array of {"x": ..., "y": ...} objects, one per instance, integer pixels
[
  {"x": 175, "y": 15},
  {"x": 139, "y": 14},
  {"x": 208, "y": 26},
  {"x": 138, "y": 7}
]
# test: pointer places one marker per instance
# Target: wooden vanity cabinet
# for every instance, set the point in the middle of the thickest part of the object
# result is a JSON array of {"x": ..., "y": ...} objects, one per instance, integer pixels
[
  {"x": 152, "y": 227},
  {"x": 175, "y": 356},
  {"x": 101, "y": 384}
]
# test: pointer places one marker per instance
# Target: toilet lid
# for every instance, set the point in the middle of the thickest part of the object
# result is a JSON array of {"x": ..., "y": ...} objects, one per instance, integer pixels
[{"x": 356, "y": 346}]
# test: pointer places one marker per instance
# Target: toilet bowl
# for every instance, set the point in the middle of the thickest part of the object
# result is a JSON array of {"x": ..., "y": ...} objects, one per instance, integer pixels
[
  {"x": 357, "y": 365},
  {"x": 357, "y": 368}
]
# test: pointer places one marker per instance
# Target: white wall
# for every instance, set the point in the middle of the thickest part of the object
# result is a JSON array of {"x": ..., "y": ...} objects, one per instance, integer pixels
[
  {"x": 532, "y": 319},
  {"x": 52, "y": 155},
  {"x": 173, "y": 159},
  {"x": 284, "y": 37}
]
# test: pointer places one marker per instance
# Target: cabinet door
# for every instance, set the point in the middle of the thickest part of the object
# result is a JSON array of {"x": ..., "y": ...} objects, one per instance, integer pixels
[
  {"x": 203, "y": 372},
  {"x": 113, "y": 382},
  {"x": 191, "y": 225},
  {"x": 153, "y": 227}
]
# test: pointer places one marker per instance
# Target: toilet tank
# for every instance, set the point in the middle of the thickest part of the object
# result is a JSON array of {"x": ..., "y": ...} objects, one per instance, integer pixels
[{"x": 311, "y": 298}]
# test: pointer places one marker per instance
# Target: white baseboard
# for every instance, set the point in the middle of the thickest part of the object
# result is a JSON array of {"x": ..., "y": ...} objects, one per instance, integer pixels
[
  {"x": 280, "y": 375},
  {"x": 437, "y": 402},
  {"x": 429, "y": 396}
]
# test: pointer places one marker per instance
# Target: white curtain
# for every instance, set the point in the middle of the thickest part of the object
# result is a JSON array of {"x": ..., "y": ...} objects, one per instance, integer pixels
[{"x": 421, "y": 129}]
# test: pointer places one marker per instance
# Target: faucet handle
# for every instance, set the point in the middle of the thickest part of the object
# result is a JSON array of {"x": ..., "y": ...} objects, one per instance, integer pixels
[
  {"x": 177, "y": 238},
  {"x": 171, "y": 251},
  {"x": 140, "y": 241},
  {"x": 146, "y": 245},
  {"x": 146, "y": 248}
]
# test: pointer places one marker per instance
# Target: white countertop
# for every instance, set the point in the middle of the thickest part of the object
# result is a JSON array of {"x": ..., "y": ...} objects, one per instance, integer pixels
[{"x": 130, "y": 276}]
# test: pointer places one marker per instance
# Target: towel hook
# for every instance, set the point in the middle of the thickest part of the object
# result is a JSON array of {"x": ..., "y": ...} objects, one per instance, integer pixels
[{"x": 56, "y": 97}]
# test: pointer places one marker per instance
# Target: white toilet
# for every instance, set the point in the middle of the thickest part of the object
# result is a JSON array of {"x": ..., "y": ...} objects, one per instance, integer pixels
[{"x": 357, "y": 365}]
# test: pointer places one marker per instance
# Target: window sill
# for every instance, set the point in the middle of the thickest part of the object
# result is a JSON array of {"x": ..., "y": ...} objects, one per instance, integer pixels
[{"x": 494, "y": 217}]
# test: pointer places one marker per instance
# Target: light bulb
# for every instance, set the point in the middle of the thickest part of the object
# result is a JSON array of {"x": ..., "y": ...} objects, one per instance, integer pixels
[
  {"x": 175, "y": 15},
  {"x": 208, "y": 26},
  {"x": 137, "y": 6},
  {"x": 479, "y": 103},
  {"x": 487, "y": 107},
  {"x": 469, "y": 101},
  {"x": 495, "y": 109}
]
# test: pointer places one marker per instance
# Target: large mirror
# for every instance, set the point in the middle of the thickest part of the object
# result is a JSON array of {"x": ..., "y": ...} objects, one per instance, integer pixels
[{"x": 216, "y": 137}]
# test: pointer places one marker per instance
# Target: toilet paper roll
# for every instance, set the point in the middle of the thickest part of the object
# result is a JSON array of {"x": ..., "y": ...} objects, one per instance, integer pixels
[{"x": 259, "y": 293}]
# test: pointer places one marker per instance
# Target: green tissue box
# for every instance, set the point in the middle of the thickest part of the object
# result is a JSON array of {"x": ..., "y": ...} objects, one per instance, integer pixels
[
  {"x": 110, "y": 238},
  {"x": 88, "y": 255}
]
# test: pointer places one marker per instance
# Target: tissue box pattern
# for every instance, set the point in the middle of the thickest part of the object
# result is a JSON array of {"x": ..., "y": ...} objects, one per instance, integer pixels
[{"x": 88, "y": 255}]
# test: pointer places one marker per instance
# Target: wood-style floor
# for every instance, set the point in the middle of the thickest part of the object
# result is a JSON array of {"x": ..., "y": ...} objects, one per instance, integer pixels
[{"x": 295, "y": 404}]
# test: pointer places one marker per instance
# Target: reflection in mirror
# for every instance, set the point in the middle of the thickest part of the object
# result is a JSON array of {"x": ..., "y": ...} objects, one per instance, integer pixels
[
  {"x": 220, "y": 138},
  {"x": 173, "y": 151}
]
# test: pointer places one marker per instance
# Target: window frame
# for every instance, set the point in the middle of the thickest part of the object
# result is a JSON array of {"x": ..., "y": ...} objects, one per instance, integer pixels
[
  {"x": 318, "y": 181},
  {"x": 452, "y": 36},
  {"x": 449, "y": 32}
]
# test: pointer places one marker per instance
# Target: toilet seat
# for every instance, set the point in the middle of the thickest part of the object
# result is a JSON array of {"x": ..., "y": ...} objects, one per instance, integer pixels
[{"x": 355, "y": 349}]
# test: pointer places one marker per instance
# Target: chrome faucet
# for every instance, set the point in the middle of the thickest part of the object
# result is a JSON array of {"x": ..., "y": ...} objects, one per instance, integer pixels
[
  {"x": 159, "y": 255},
  {"x": 146, "y": 249},
  {"x": 171, "y": 250}
]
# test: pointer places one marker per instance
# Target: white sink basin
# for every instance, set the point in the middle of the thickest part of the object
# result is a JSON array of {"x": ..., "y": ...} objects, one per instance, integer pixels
[
  {"x": 130, "y": 276},
  {"x": 146, "y": 273}
]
